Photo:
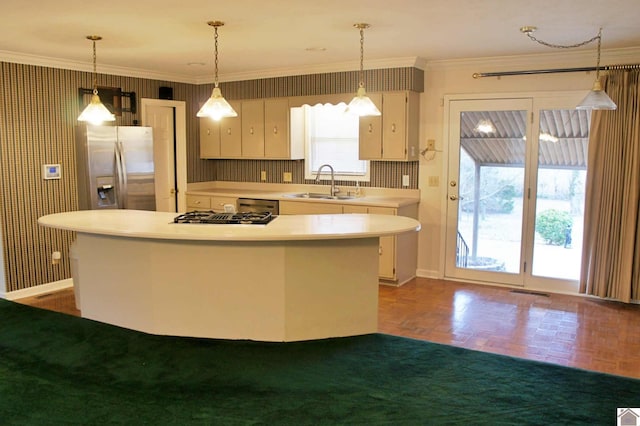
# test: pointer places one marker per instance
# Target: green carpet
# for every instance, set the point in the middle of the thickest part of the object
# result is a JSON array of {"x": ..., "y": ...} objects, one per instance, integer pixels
[{"x": 57, "y": 369}]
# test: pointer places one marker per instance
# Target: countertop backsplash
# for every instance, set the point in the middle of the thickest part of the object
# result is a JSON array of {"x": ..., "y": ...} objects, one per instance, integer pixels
[{"x": 384, "y": 174}]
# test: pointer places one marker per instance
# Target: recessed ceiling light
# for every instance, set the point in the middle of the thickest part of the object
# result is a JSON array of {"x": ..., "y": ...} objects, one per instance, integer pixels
[
  {"x": 201, "y": 64},
  {"x": 315, "y": 49}
]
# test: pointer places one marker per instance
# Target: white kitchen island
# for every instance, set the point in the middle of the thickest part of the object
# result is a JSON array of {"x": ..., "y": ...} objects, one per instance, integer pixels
[{"x": 299, "y": 277}]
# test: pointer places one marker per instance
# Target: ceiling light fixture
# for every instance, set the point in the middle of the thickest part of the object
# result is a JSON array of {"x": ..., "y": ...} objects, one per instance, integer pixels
[
  {"x": 596, "y": 98},
  {"x": 361, "y": 104},
  {"x": 485, "y": 126},
  {"x": 216, "y": 106},
  {"x": 95, "y": 112},
  {"x": 548, "y": 137}
]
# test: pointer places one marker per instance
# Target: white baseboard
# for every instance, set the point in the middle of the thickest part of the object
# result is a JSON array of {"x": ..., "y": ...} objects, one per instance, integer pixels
[
  {"x": 427, "y": 273},
  {"x": 39, "y": 289}
]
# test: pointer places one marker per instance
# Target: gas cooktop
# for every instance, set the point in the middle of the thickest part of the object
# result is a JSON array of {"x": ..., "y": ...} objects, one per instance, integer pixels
[{"x": 225, "y": 218}]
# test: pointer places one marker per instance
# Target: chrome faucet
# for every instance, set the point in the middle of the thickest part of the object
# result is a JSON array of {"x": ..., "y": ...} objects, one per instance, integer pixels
[{"x": 334, "y": 190}]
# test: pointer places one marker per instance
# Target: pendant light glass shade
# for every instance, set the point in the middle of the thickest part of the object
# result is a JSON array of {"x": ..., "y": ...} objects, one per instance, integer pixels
[
  {"x": 597, "y": 99},
  {"x": 216, "y": 106},
  {"x": 361, "y": 104},
  {"x": 95, "y": 112}
]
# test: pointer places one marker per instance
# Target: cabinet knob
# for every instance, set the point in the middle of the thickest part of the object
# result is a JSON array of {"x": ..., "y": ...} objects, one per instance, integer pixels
[
  {"x": 393, "y": 128},
  {"x": 251, "y": 130},
  {"x": 228, "y": 130},
  {"x": 208, "y": 131},
  {"x": 197, "y": 202},
  {"x": 370, "y": 128},
  {"x": 275, "y": 130}
]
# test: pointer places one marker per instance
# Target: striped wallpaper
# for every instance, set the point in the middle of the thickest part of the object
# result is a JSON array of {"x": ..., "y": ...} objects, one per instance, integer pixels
[{"x": 38, "y": 111}]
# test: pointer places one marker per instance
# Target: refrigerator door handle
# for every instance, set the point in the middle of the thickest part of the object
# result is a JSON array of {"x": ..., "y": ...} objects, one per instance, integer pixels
[
  {"x": 123, "y": 176},
  {"x": 120, "y": 173}
]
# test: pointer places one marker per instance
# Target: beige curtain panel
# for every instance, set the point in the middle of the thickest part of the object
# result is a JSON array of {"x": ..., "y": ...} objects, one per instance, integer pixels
[{"x": 611, "y": 249}]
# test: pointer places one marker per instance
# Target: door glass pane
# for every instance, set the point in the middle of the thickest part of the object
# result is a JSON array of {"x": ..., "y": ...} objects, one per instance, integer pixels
[
  {"x": 491, "y": 182},
  {"x": 562, "y": 170}
]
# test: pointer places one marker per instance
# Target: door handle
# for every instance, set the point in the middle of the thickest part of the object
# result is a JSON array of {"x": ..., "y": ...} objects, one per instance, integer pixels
[{"x": 453, "y": 197}]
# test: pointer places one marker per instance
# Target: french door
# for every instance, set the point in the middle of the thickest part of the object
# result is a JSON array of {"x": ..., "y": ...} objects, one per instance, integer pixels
[{"x": 515, "y": 191}]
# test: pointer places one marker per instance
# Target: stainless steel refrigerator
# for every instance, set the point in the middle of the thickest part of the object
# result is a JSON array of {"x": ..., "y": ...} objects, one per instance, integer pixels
[{"x": 115, "y": 167}]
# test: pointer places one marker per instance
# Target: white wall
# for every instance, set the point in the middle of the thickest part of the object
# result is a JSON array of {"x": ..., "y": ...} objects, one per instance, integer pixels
[{"x": 456, "y": 78}]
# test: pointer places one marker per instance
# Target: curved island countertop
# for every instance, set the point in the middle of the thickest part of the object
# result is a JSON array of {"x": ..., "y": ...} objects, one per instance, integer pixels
[
  {"x": 298, "y": 277},
  {"x": 159, "y": 225}
]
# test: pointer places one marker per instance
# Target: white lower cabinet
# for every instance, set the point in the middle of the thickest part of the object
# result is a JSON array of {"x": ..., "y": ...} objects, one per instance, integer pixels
[
  {"x": 215, "y": 203},
  {"x": 398, "y": 254},
  {"x": 295, "y": 207}
]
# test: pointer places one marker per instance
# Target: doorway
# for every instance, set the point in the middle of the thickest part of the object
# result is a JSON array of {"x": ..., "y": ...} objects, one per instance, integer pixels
[
  {"x": 515, "y": 191},
  {"x": 168, "y": 120}
]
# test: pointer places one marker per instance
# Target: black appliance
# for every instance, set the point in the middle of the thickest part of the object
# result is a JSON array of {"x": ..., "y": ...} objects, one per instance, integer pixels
[{"x": 248, "y": 218}]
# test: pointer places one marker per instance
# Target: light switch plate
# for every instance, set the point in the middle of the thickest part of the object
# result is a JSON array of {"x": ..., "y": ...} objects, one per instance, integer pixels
[
  {"x": 263, "y": 175},
  {"x": 286, "y": 176},
  {"x": 405, "y": 180}
]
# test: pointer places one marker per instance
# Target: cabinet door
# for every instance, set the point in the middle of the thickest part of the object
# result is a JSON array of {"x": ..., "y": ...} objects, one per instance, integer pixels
[
  {"x": 253, "y": 129},
  {"x": 218, "y": 202},
  {"x": 276, "y": 128},
  {"x": 394, "y": 126},
  {"x": 295, "y": 207},
  {"x": 209, "y": 138},
  {"x": 370, "y": 137},
  {"x": 198, "y": 202},
  {"x": 231, "y": 134},
  {"x": 387, "y": 249}
]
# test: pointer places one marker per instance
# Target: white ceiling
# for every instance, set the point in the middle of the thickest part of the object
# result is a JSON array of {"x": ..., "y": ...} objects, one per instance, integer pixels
[{"x": 162, "y": 37}]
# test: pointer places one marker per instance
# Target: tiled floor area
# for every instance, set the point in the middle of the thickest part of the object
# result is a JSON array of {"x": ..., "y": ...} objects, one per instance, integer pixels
[{"x": 568, "y": 330}]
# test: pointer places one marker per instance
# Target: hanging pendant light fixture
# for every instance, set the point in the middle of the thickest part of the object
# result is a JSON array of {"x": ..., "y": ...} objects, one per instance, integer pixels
[
  {"x": 596, "y": 98},
  {"x": 216, "y": 106},
  {"x": 361, "y": 104},
  {"x": 95, "y": 112}
]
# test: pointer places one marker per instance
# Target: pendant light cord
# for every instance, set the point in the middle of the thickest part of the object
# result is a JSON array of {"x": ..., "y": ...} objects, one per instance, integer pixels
[
  {"x": 215, "y": 37},
  {"x": 361, "y": 55},
  {"x": 95, "y": 73},
  {"x": 529, "y": 33}
]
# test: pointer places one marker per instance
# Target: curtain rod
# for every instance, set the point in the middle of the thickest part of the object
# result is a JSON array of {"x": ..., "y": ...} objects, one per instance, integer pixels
[{"x": 554, "y": 70}]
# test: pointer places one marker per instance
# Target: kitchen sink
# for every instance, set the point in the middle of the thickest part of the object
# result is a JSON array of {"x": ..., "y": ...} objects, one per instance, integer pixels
[{"x": 319, "y": 195}]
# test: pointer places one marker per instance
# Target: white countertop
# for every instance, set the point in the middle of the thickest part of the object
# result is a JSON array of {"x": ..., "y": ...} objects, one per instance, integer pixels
[
  {"x": 368, "y": 200},
  {"x": 159, "y": 225}
]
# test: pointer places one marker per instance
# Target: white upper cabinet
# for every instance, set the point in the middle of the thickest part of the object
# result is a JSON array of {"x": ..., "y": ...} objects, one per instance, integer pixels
[{"x": 393, "y": 135}]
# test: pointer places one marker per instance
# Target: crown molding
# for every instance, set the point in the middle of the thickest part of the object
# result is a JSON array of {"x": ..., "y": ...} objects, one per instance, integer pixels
[
  {"x": 44, "y": 61},
  {"x": 410, "y": 62},
  {"x": 564, "y": 59}
]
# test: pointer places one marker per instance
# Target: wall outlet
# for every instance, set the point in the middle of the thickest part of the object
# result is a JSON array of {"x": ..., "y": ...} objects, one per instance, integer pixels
[
  {"x": 431, "y": 145},
  {"x": 263, "y": 175},
  {"x": 405, "y": 180},
  {"x": 286, "y": 176},
  {"x": 55, "y": 257}
]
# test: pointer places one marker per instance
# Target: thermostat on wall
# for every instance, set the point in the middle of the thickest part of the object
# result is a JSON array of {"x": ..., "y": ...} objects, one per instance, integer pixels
[{"x": 51, "y": 171}]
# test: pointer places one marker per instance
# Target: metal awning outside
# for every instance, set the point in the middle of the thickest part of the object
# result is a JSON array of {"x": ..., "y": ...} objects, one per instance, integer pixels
[{"x": 506, "y": 146}]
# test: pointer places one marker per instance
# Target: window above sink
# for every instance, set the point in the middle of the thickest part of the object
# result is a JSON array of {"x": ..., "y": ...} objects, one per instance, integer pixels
[{"x": 332, "y": 137}]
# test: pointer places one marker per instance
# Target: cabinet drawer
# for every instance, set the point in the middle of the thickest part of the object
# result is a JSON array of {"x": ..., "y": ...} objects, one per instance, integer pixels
[
  {"x": 198, "y": 202},
  {"x": 217, "y": 203}
]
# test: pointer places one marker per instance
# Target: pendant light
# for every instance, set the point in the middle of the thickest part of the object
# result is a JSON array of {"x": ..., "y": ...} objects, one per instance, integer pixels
[
  {"x": 361, "y": 104},
  {"x": 95, "y": 112},
  {"x": 596, "y": 98},
  {"x": 216, "y": 106}
]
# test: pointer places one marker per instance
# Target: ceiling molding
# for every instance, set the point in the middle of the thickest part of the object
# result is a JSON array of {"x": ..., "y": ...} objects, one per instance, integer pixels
[
  {"x": 44, "y": 61},
  {"x": 566, "y": 59},
  {"x": 318, "y": 69}
]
